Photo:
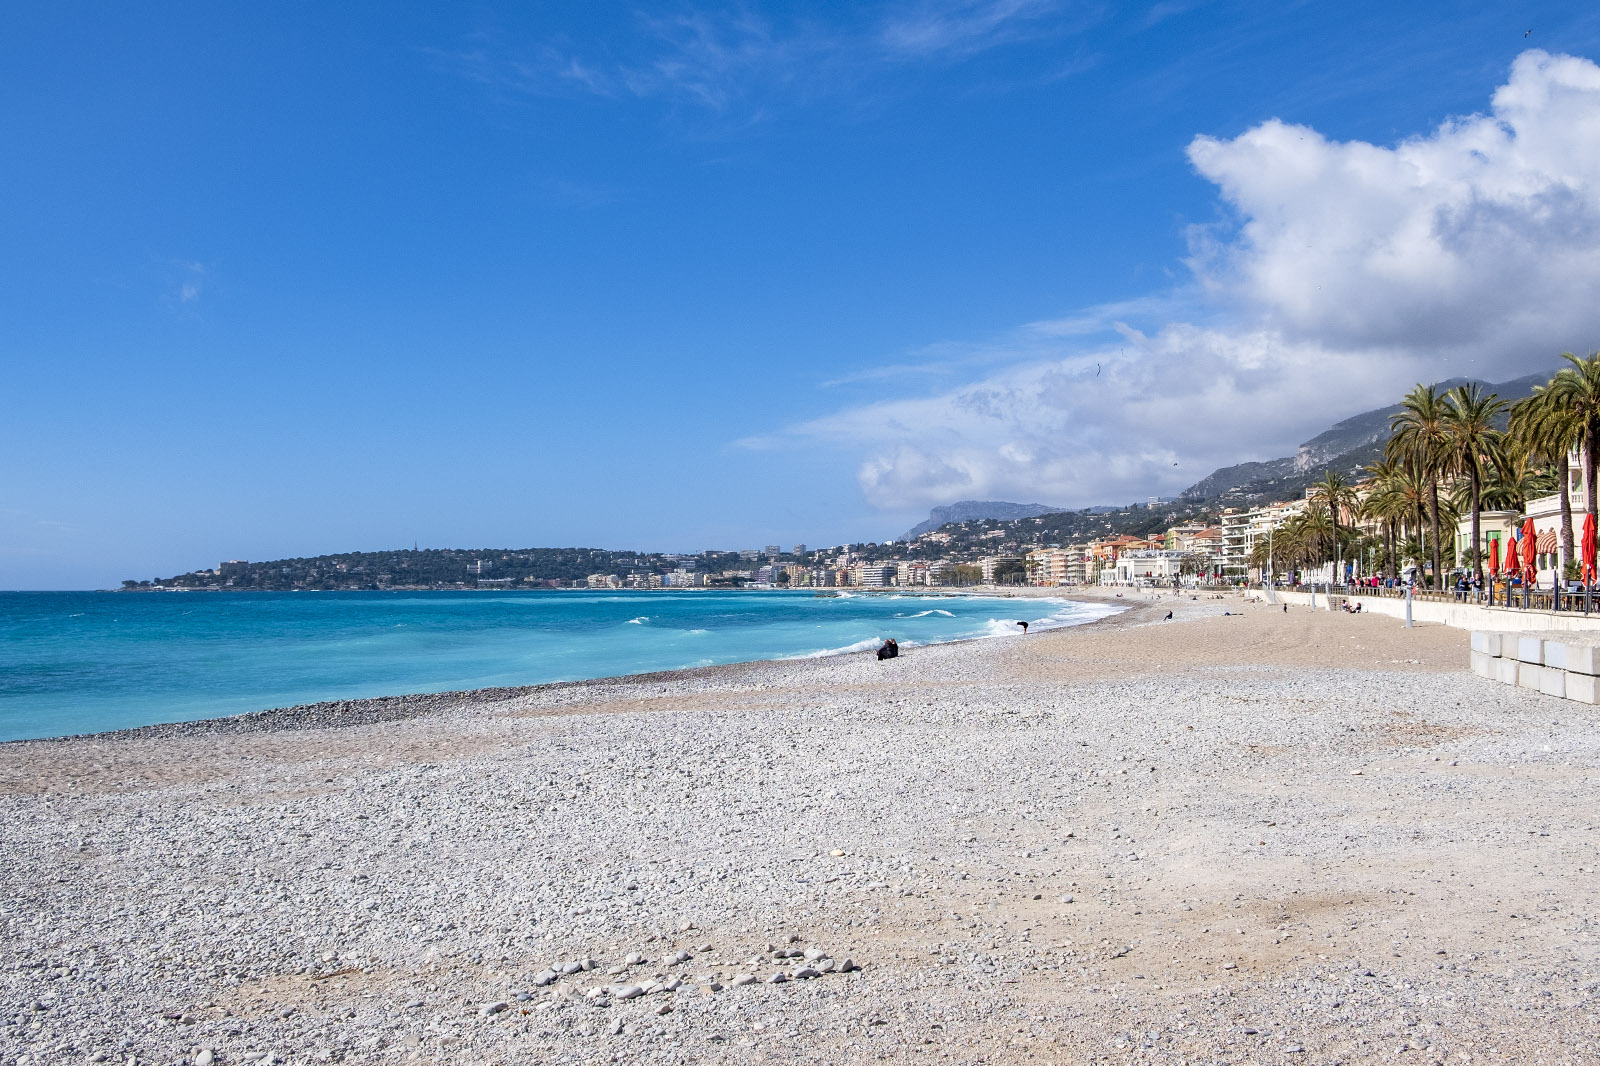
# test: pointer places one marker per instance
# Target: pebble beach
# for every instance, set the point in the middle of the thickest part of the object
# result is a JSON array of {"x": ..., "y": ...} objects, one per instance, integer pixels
[{"x": 1236, "y": 836}]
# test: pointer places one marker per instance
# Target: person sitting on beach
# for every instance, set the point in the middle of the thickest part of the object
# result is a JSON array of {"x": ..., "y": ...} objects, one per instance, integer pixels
[
  {"x": 889, "y": 650},
  {"x": 1168, "y": 618}
]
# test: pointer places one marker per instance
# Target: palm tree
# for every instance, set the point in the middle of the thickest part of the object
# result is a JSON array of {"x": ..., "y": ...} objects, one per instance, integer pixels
[
  {"x": 1516, "y": 475},
  {"x": 1544, "y": 429},
  {"x": 1470, "y": 440},
  {"x": 1387, "y": 501},
  {"x": 1577, "y": 389},
  {"x": 1333, "y": 492},
  {"x": 1417, "y": 440}
]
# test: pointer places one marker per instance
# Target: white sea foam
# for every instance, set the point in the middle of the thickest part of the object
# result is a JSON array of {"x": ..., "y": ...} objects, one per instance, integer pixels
[
  {"x": 641, "y": 620},
  {"x": 860, "y": 645}
]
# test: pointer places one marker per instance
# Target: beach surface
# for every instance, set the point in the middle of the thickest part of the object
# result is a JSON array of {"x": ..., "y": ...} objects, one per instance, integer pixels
[{"x": 1237, "y": 836}]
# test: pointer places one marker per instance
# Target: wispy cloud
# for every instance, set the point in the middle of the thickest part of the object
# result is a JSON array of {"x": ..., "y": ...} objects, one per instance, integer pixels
[
  {"x": 1034, "y": 340},
  {"x": 727, "y": 61},
  {"x": 184, "y": 285},
  {"x": 939, "y": 30},
  {"x": 25, "y": 533}
]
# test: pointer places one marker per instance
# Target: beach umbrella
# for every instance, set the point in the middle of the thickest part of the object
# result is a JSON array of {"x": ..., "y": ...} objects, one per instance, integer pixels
[
  {"x": 1494, "y": 557},
  {"x": 1513, "y": 564},
  {"x": 1530, "y": 545},
  {"x": 1588, "y": 548}
]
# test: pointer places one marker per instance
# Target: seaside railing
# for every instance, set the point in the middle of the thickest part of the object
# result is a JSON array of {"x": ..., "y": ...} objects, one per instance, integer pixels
[{"x": 1573, "y": 600}]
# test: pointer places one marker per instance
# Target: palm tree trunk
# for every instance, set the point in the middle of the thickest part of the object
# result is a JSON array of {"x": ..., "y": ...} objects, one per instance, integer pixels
[
  {"x": 1333, "y": 513},
  {"x": 1566, "y": 519},
  {"x": 1422, "y": 526},
  {"x": 1433, "y": 523},
  {"x": 1591, "y": 431},
  {"x": 1477, "y": 556}
]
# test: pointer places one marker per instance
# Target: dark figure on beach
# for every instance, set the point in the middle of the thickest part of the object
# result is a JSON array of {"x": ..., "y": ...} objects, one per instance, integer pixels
[
  {"x": 1024, "y": 626},
  {"x": 1286, "y": 608},
  {"x": 1169, "y": 617},
  {"x": 889, "y": 650}
]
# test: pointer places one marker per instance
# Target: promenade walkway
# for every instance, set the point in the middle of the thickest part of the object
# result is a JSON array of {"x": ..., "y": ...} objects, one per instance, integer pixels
[{"x": 1442, "y": 611}]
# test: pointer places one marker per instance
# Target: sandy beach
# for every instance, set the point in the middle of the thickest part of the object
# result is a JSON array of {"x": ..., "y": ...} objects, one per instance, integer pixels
[{"x": 1247, "y": 836}]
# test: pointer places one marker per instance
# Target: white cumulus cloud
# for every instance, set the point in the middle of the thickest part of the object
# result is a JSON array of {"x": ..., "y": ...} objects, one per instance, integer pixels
[
  {"x": 1478, "y": 235},
  {"x": 1348, "y": 271}
]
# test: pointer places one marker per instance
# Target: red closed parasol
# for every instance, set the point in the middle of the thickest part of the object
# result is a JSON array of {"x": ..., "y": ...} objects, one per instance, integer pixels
[
  {"x": 1494, "y": 556},
  {"x": 1588, "y": 548},
  {"x": 1530, "y": 541},
  {"x": 1513, "y": 564}
]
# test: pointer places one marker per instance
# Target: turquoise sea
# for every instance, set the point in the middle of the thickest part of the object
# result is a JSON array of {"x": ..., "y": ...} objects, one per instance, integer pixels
[{"x": 83, "y": 662}]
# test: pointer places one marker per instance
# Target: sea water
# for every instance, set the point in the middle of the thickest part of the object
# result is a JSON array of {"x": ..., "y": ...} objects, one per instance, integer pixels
[{"x": 81, "y": 662}]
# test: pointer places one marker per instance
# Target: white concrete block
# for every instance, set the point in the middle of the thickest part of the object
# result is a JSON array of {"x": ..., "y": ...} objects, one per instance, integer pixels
[
  {"x": 1585, "y": 688},
  {"x": 1553, "y": 682},
  {"x": 1505, "y": 671},
  {"x": 1486, "y": 642},
  {"x": 1555, "y": 654},
  {"x": 1529, "y": 675},
  {"x": 1530, "y": 649},
  {"x": 1580, "y": 658},
  {"x": 1483, "y": 664}
]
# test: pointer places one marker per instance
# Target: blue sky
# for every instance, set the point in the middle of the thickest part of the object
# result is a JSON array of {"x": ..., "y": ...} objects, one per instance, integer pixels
[{"x": 278, "y": 280}]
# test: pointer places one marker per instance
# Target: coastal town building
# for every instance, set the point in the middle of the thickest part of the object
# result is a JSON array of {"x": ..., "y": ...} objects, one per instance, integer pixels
[
  {"x": 1264, "y": 520},
  {"x": 911, "y": 573},
  {"x": 1054, "y": 567},
  {"x": 1145, "y": 567},
  {"x": 1234, "y": 556},
  {"x": 990, "y": 564},
  {"x": 871, "y": 575}
]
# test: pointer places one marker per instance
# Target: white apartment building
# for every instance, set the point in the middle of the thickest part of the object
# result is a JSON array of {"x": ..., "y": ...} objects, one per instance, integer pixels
[
  {"x": 991, "y": 563},
  {"x": 1235, "y": 522},
  {"x": 1157, "y": 567},
  {"x": 1268, "y": 518},
  {"x": 911, "y": 573},
  {"x": 1052, "y": 567},
  {"x": 871, "y": 575}
]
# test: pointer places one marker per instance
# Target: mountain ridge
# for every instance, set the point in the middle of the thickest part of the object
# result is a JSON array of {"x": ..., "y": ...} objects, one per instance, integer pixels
[
  {"x": 1347, "y": 446},
  {"x": 973, "y": 510}
]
